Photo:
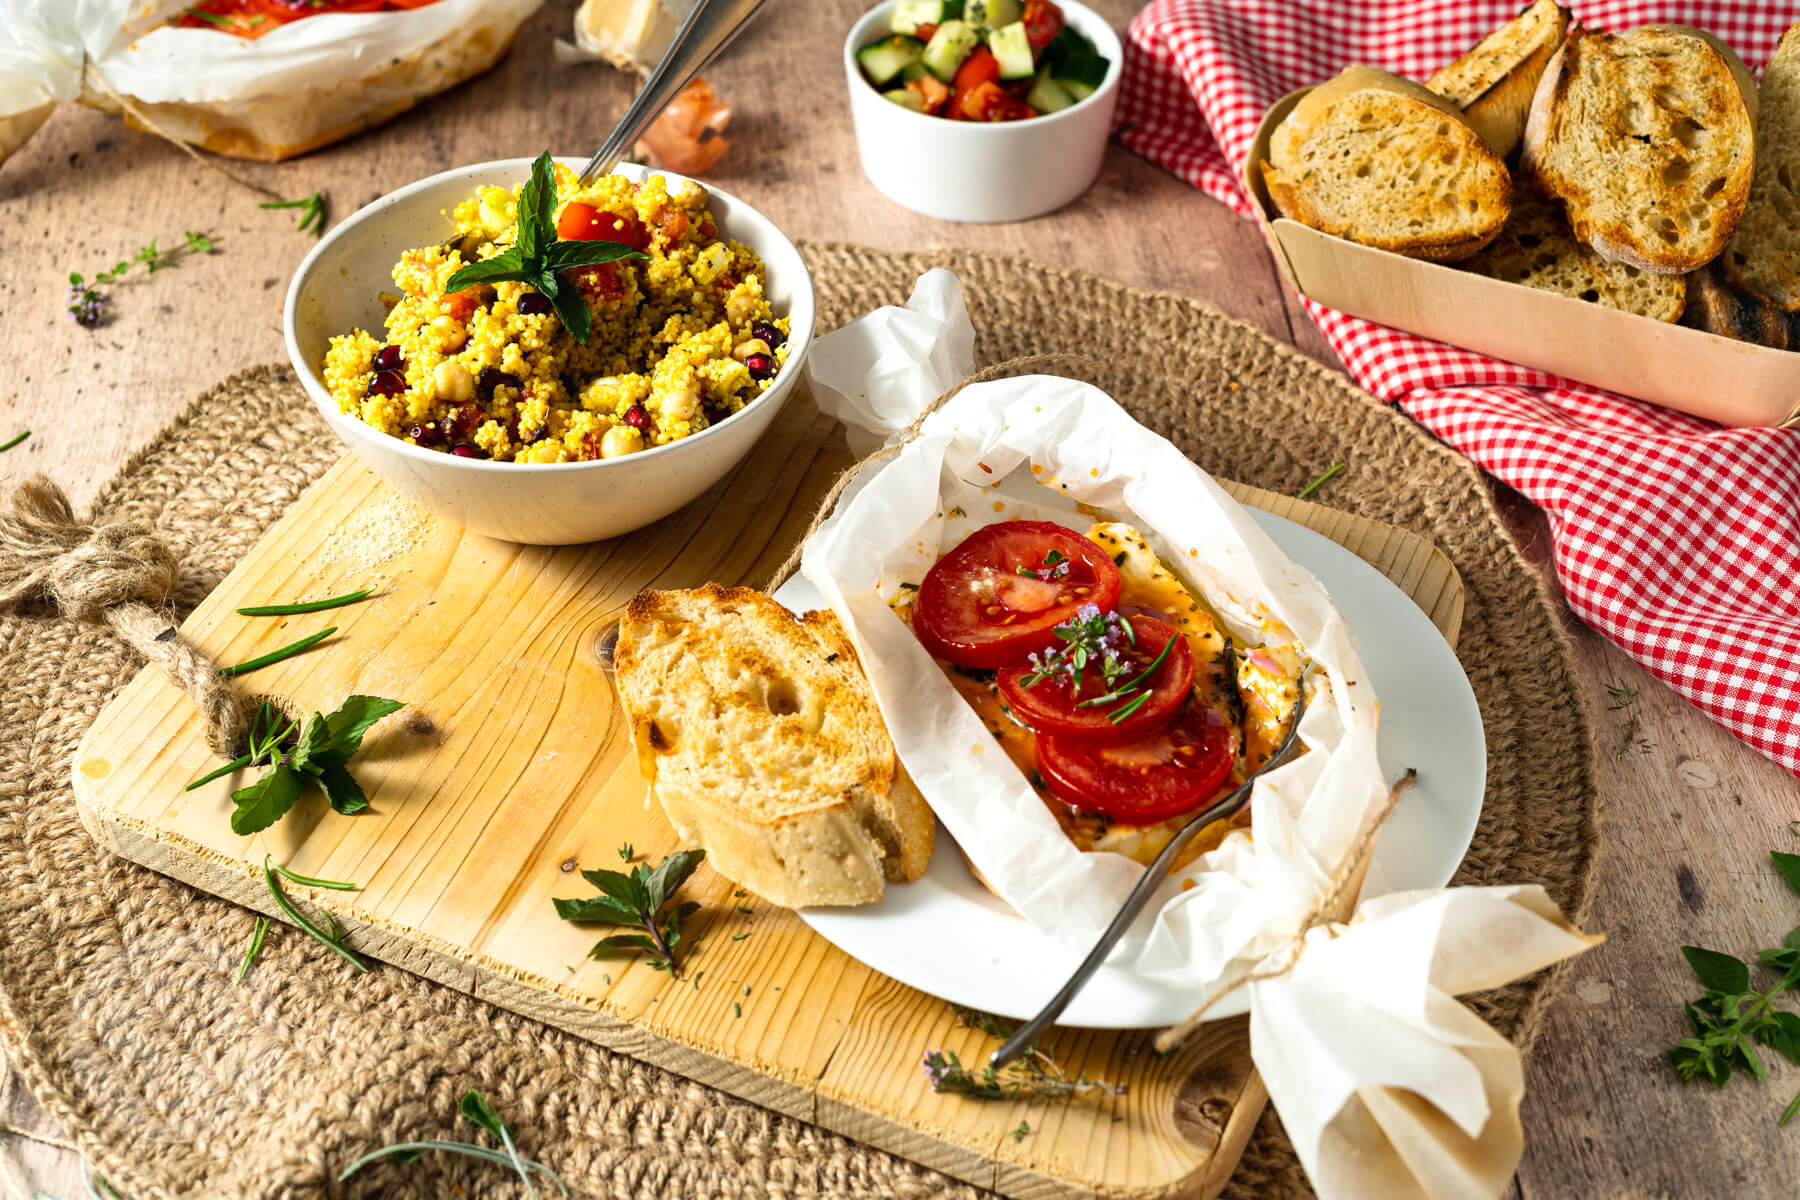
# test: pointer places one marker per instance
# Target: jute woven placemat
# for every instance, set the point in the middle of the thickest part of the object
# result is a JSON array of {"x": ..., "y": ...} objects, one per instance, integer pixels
[{"x": 116, "y": 994}]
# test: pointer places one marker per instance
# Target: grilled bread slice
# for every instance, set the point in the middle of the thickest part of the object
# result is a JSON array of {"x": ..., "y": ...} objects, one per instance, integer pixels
[
  {"x": 1493, "y": 83},
  {"x": 1764, "y": 256},
  {"x": 761, "y": 737},
  {"x": 1716, "y": 307},
  {"x": 1538, "y": 249},
  {"x": 1649, "y": 138},
  {"x": 1379, "y": 160}
]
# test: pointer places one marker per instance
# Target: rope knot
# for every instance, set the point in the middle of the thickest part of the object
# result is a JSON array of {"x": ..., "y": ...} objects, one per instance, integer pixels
[{"x": 81, "y": 569}]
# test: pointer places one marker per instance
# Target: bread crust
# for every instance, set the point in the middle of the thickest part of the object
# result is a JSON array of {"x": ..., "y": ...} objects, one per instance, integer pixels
[
  {"x": 1764, "y": 256},
  {"x": 761, "y": 739},
  {"x": 1552, "y": 130},
  {"x": 1352, "y": 203}
]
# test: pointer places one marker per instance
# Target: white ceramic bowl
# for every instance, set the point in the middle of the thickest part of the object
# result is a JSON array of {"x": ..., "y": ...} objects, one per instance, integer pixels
[
  {"x": 977, "y": 170},
  {"x": 338, "y": 286}
]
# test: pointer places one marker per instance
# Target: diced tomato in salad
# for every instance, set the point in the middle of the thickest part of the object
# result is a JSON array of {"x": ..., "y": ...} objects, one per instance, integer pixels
[
  {"x": 254, "y": 18},
  {"x": 982, "y": 60}
]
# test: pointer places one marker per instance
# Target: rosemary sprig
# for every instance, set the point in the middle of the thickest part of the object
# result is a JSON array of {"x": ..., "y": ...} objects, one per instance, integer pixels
[
  {"x": 637, "y": 901},
  {"x": 1034, "y": 1073},
  {"x": 333, "y": 941},
  {"x": 14, "y": 440},
  {"x": 312, "y": 211},
  {"x": 1318, "y": 483},
  {"x": 255, "y": 948},
  {"x": 308, "y": 881},
  {"x": 275, "y": 656},
  {"x": 310, "y": 606}
]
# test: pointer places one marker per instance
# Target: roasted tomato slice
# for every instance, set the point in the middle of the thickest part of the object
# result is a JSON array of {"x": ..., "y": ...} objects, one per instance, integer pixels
[
  {"x": 1161, "y": 775},
  {"x": 580, "y": 222},
  {"x": 1000, "y": 594},
  {"x": 1152, "y": 673}
]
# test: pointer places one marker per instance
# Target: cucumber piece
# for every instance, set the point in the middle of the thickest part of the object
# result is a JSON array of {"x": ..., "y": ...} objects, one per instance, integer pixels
[
  {"x": 912, "y": 71},
  {"x": 994, "y": 14},
  {"x": 883, "y": 60},
  {"x": 953, "y": 10},
  {"x": 1077, "y": 91},
  {"x": 1012, "y": 49},
  {"x": 910, "y": 14},
  {"x": 1047, "y": 95},
  {"x": 906, "y": 97},
  {"x": 948, "y": 47},
  {"x": 1071, "y": 58}
]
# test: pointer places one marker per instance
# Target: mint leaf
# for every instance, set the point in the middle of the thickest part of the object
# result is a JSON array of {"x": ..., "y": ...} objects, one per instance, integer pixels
[
  {"x": 340, "y": 787},
  {"x": 508, "y": 264},
  {"x": 537, "y": 201},
  {"x": 352, "y": 720},
  {"x": 266, "y": 801},
  {"x": 1789, "y": 866},
  {"x": 1718, "y": 972},
  {"x": 670, "y": 874},
  {"x": 626, "y": 889},
  {"x": 475, "y": 1108},
  {"x": 623, "y": 941},
  {"x": 596, "y": 910},
  {"x": 315, "y": 739},
  {"x": 570, "y": 305},
  {"x": 564, "y": 255}
]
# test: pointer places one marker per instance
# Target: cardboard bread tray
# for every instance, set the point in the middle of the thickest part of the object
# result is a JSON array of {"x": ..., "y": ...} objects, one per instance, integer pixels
[{"x": 1734, "y": 383}]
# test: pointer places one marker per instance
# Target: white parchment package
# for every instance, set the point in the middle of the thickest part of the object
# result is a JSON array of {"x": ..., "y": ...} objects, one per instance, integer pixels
[
  {"x": 299, "y": 86},
  {"x": 1388, "y": 1086}
]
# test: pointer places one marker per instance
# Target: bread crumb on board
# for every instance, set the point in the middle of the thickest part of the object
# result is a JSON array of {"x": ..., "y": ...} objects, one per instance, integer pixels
[{"x": 374, "y": 535}]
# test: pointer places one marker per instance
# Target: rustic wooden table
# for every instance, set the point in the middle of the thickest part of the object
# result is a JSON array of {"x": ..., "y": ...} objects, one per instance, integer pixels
[{"x": 1689, "y": 821}]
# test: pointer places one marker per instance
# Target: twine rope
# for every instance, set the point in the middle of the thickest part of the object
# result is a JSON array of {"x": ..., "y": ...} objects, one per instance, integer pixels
[
  {"x": 115, "y": 574},
  {"x": 1339, "y": 895},
  {"x": 1023, "y": 365}
]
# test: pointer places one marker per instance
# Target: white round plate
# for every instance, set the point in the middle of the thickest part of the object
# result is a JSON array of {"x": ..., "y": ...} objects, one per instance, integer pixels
[{"x": 947, "y": 935}]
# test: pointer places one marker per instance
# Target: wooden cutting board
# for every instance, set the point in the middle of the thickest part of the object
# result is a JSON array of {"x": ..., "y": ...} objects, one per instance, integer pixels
[{"x": 511, "y": 767}]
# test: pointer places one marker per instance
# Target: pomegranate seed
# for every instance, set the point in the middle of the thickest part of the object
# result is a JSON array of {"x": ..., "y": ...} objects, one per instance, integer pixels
[
  {"x": 388, "y": 359},
  {"x": 534, "y": 304},
  {"x": 387, "y": 383},
  {"x": 768, "y": 333},
  {"x": 464, "y": 450},
  {"x": 638, "y": 417},
  {"x": 761, "y": 366},
  {"x": 427, "y": 434},
  {"x": 463, "y": 421},
  {"x": 491, "y": 379}
]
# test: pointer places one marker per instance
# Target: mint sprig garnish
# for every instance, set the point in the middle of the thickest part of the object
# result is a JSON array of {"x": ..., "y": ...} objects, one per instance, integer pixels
[
  {"x": 537, "y": 255},
  {"x": 636, "y": 901},
  {"x": 319, "y": 750}
]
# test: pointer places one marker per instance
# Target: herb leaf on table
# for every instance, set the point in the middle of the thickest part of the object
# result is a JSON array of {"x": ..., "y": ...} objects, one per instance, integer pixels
[
  {"x": 537, "y": 255},
  {"x": 636, "y": 901},
  {"x": 474, "y": 1108}
]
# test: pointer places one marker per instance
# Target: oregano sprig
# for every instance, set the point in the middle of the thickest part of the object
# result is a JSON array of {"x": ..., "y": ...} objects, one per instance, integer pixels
[
  {"x": 1731, "y": 1020},
  {"x": 1034, "y": 1073},
  {"x": 538, "y": 255},
  {"x": 637, "y": 901}
]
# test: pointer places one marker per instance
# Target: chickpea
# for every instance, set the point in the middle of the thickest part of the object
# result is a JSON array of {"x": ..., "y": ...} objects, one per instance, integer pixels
[
  {"x": 682, "y": 403},
  {"x": 453, "y": 383},
  {"x": 450, "y": 333},
  {"x": 751, "y": 346},
  {"x": 619, "y": 441},
  {"x": 740, "y": 306}
]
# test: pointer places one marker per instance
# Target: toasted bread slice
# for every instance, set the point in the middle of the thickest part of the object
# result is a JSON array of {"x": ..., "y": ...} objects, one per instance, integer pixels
[
  {"x": 1379, "y": 160},
  {"x": 1493, "y": 83},
  {"x": 1649, "y": 138},
  {"x": 1716, "y": 307},
  {"x": 1538, "y": 249},
  {"x": 761, "y": 737},
  {"x": 1764, "y": 256}
]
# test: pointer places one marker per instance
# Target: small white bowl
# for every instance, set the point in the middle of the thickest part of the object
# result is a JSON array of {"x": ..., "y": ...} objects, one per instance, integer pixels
[
  {"x": 338, "y": 288},
  {"x": 981, "y": 170}
]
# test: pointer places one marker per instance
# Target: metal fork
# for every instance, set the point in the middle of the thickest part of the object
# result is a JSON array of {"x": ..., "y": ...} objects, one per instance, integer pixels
[
  {"x": 708, "y": 29},
  {"x": 1027, "y": 1034}
]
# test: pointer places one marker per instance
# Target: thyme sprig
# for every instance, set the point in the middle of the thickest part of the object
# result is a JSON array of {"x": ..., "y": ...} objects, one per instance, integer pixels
[
  {"x": 1035, "y": 1073},
  {"x": 1732, "y": 1019},
  {"x": 312, "y": 212},
  {"x": 475, "y": 1109},
  {"x": 1101, "y": 638},
  {"x": 87, "y": 297},
  {"x": 638, "y": 901},
  {"x": 1054, "y": 566},
  {"x": 1631, "y": 731},
  {"x": 320, "y": 751}
]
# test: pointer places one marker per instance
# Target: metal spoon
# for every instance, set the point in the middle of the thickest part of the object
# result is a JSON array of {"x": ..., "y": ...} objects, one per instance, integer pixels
[
  {"x": 708, "y": 29},
  {"x": 1158, "y": 871}
]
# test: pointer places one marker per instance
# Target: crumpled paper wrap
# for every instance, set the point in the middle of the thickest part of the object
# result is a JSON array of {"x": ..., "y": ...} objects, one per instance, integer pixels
[
  {"x": 303, "y": 85},
  {"x": 1387, "y": 1085}
]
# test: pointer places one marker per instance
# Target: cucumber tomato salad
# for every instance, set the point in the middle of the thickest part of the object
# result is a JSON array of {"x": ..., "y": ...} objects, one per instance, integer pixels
[{"x": 982, "y": 60}]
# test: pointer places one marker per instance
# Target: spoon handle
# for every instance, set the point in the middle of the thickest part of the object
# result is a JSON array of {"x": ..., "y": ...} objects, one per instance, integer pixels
[
  {"x": 709, "y": 27},
  {"x": 1028, "y": 1033}
]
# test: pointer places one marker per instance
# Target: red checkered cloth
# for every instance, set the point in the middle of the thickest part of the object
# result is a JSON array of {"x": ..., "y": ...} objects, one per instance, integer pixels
[{"x": 1676, "y": 538}]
